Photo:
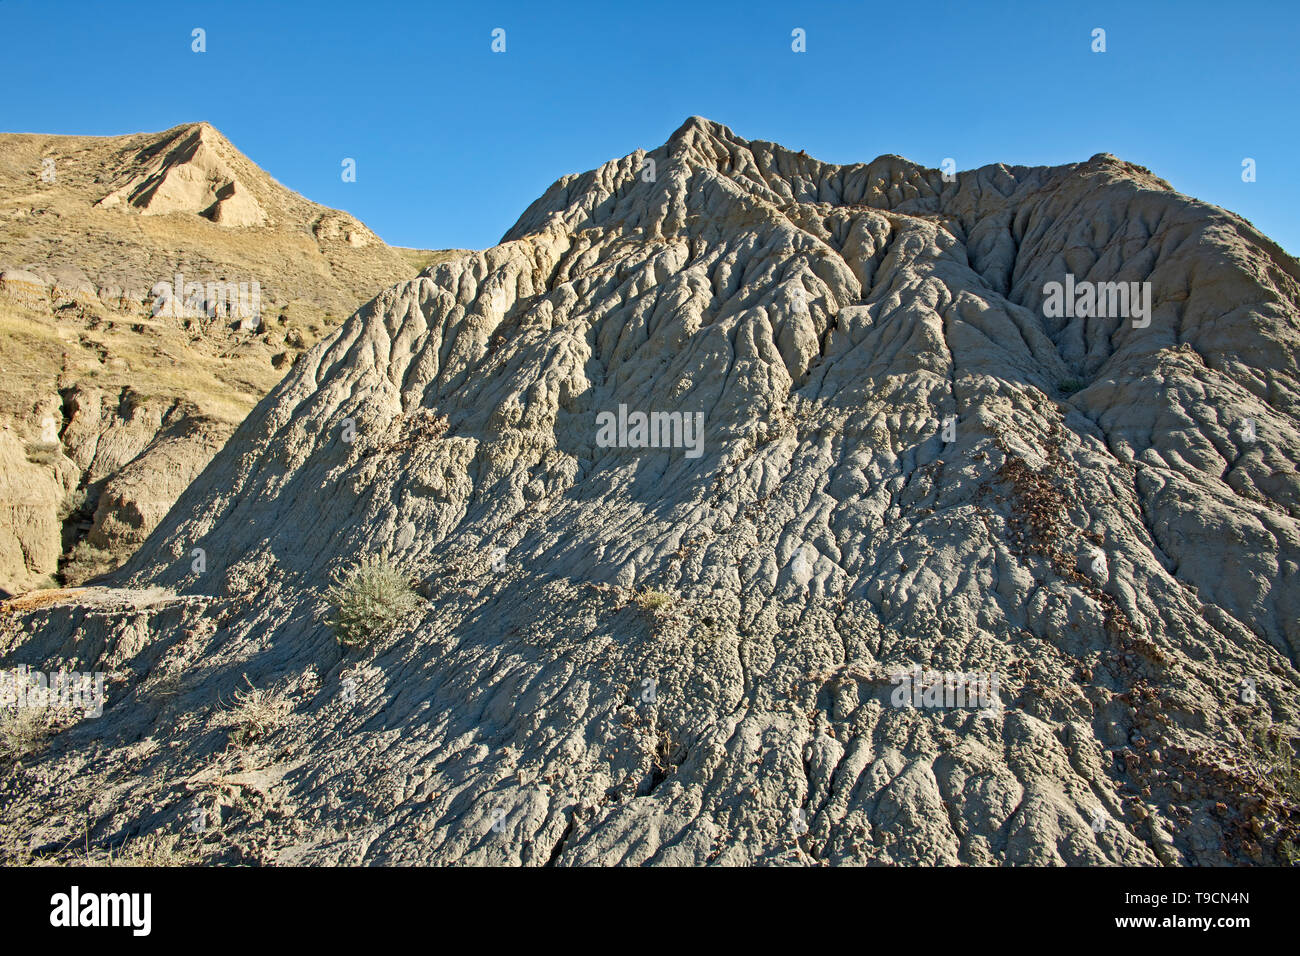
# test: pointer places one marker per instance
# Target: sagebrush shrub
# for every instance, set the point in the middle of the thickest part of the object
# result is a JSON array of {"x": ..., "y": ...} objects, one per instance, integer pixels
[
  {"x": 372, "y": 597},
  {"x": 22, "y": 732},
  {"x": 654, "y": 600}
]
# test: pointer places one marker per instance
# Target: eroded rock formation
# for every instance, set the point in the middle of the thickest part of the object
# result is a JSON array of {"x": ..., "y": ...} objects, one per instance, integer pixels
[{"x": 629, "y": 655}]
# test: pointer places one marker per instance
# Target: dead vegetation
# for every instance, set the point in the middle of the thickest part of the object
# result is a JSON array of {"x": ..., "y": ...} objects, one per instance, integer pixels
[
  {"x": 153, "y": 849},
  {"x": 23, "y": 732},
  {"x": 257, "y": 712}
]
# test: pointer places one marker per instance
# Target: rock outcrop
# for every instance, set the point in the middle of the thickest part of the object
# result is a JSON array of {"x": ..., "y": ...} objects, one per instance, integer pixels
[
  {"x": 913, "y": 468},
  {"x": 190, "y": 172}
]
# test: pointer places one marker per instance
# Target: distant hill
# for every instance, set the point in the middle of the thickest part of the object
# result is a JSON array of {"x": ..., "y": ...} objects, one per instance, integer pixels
[{"x": 108, "y": 404}]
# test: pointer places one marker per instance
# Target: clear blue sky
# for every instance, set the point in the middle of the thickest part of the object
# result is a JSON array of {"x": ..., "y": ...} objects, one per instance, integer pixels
[{"x": 452, "y": 141}]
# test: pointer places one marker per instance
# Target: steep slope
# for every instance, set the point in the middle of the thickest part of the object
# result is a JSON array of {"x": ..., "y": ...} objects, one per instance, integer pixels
[
  {"x": 113, "y": 397},
  {"x": 647, "y": 655}
]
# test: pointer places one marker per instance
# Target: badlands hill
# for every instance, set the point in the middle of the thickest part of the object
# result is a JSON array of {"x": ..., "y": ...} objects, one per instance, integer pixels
[
  {"x": 107, "y": 408},
  {"x": 912, "y": 457}
]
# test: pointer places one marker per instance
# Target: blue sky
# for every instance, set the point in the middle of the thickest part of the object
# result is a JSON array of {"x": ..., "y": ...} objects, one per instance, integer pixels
[{"x": 452, "y": 141}]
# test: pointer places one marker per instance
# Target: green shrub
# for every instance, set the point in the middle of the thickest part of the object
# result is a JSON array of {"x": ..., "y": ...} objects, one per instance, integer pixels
[
  {"x": 373, "y": 597},
  {"x": 86, "y": 561},
  {"x": 1277, "y": 759},
  {"x": 1071, "y": 385},
  {"x": 654, "y": 600}
]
